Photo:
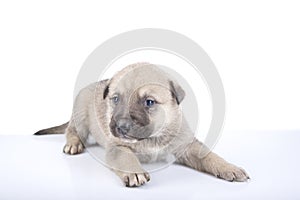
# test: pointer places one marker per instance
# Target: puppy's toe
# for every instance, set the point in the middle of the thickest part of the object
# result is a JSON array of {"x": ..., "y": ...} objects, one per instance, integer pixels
[
  {"x": 233, "y": 173},
  {"x": 135, "y": 179},
  {"x": 74, "y": 148},
  {"x": 240, "y": 175}
]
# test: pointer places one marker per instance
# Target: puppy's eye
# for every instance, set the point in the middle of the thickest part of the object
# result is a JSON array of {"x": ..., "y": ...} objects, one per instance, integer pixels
[
  {"x": 149, "y": 102},
  {"x": 115, "y": 99}
]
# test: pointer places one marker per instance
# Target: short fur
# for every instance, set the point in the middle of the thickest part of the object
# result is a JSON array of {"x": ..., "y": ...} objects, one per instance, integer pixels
[{"x": 116, "y": 114}]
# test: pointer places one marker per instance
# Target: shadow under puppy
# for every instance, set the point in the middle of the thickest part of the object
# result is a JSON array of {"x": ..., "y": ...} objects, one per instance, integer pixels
[{"x": 136, "y": 117}]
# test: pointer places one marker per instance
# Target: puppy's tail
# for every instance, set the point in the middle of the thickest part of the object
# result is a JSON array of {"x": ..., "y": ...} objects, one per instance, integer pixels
[{"x": 53, "y": 130}]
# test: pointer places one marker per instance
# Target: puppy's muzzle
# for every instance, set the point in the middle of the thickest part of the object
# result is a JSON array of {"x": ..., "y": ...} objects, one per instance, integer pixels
[{"x": 123, "y": 126}]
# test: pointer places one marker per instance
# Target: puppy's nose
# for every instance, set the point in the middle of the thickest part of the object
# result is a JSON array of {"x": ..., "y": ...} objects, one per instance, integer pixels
[{"x": 124, "y": 125}]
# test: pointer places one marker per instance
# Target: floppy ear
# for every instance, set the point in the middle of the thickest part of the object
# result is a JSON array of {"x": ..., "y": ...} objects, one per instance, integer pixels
[{"x": 177, "y": 92}]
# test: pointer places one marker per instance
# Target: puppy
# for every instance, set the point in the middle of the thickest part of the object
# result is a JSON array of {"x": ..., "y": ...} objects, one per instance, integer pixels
[{"x": 136, "y": 117}]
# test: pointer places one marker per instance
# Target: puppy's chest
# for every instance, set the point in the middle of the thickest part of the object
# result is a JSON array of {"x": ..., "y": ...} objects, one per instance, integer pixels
[{"x": 152, "y": 155}]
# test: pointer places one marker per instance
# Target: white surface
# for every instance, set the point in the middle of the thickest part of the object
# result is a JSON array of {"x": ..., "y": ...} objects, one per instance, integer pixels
[
  {"x": 34, "y": 167},
  {"x": 254, "y": 44}
]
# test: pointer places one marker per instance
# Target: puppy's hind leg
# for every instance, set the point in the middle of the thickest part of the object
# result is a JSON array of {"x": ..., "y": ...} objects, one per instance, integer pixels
[{"x": 74, "y": 144}]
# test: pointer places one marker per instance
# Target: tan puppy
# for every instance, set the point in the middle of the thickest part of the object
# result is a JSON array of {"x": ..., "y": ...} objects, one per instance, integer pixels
[{"x": 136, "y": 117}]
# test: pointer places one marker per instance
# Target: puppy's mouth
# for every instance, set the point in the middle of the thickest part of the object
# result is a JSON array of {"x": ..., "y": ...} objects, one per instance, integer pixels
[
  {"x": 123, "y": 134},
  {"x": 118, "y": 132},
  {"x": 127, "y": 133}
]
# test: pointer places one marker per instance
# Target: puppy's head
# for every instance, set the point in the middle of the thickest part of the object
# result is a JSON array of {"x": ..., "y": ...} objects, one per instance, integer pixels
[{"x": 143, "y": 101}]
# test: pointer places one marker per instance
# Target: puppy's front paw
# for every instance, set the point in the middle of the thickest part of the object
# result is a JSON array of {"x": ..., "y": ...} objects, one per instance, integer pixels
[
  {"x": 231, "y": 172},
  {"x": 73, "y": 148},
  {"x": 135, "y": 179}
]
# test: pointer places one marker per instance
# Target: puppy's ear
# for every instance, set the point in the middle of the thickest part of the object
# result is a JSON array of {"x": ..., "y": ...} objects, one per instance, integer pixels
[{"x": 177, "y": 92}]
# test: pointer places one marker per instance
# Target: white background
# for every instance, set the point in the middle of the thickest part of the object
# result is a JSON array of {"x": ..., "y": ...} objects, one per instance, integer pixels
[{"x": 255, "y": 46}]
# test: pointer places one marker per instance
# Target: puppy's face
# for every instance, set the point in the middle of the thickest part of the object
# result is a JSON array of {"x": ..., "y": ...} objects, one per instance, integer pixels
[{"x": 141, "y": 107}]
